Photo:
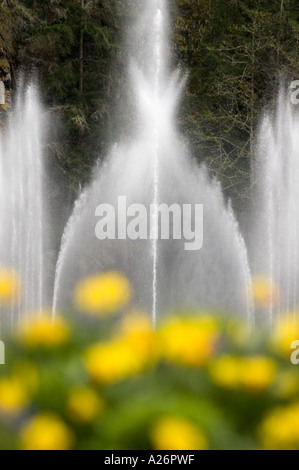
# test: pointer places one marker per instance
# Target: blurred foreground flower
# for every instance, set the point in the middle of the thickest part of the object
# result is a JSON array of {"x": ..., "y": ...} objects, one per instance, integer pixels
[
  {"x": 10, "y": 286},
  {"x": 114, "y": 360},
  {"x": 14, "y": 396},
  {"x": 265, "y": 292},
  {"x": 286, "y": 331},
  {"x": 84, "y": 405},
  {"x": 173, "y": 433},
  {"x": 189, "y": 341},
  {"x": 115, "y": 385},
  {"x": 46, "y": 431},
  {"x": 103, "y": 294},
  {"x": 253, "y": 374},
  {"x": 280, "y": 429},
  {"x": 258, "y": 373},
  {"x": 137, "y": 330},
  {"x": 226, "y": 371},
  {"x": 41, "y": 331}
]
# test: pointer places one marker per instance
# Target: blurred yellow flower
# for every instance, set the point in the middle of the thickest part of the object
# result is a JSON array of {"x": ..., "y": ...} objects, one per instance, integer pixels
[
  {"x": 112, "y": 361},
  {"x": 42, "y": 331},
  {"x": 226, "y": 371},
  {"x": 10, "y": 286},
  {"x": 103, "y": 294},
  {"x": 14, "y": 396},
  {"x": 258, "y": 373},
  {"x": 254, "y": 374},
  {"x": 171, "y": 433},
  {"x": 84, "y": 405},
  {"x": 189, "y": 341},
  {"x": 46, "y": 431},
  {"x": 280, "y": 429},
  {"x": 264, "y": 292},
  {"x": 285, "y": 332},
  {"x": 137, "y": 330}
]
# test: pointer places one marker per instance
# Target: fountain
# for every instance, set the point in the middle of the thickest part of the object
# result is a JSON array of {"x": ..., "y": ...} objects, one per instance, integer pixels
[
  {"x": 151, "y": 167},
  {"x": 276, "y": 196},
  {"x": 21, "y": 205}
]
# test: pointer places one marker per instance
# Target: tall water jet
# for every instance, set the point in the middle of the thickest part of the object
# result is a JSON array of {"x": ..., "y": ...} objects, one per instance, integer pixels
[
  {"x": 275, "y": 178},
  {"x": 21, "y": 205},
  {"x": 66, "y": 238},
  {"x": 150, "y": 168},
  {"x": 159, "y": 28}
]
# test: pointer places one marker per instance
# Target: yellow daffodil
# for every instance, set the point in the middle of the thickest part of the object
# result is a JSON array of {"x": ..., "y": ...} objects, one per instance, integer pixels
[
  {"x": 172, "y": 433},
  {"x": 103, "y": 294},
  {"x": 84, "y": 405},
  {"x": 41, "y": 331},
  {"x": 189, "y": 341},
  {"x": 46, "y": 431}
]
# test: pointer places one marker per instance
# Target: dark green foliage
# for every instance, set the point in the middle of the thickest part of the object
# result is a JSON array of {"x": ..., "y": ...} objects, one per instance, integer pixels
[
  {"x": 237, "y": 53},
  {"x": 76, "y": 87}
]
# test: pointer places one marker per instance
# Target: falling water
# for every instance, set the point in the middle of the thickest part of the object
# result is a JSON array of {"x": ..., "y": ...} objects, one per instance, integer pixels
[
  {"x": 276, "y": 176},
  {"x": 22, "y": 207},
  {"x": 159, "y": 27},
  {"x": 153, "y": 166},
  {"x": 251, "y": 320},
  {"x": 66, "y": 237}
]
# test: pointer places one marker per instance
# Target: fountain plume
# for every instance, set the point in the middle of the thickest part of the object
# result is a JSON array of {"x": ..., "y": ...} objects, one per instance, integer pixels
[
  {"x": 153, "y": 167},
  {"x": 22, "y": 208}
]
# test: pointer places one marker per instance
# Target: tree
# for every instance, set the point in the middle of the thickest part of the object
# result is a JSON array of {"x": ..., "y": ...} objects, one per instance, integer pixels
[{"x": 237, "y": 52}]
